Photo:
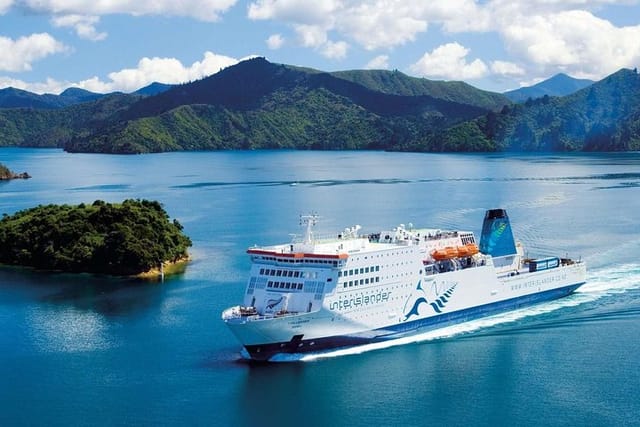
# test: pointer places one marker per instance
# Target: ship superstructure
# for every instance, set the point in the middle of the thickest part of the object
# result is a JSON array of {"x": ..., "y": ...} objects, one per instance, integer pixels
[{"x": 352, "y": 288}]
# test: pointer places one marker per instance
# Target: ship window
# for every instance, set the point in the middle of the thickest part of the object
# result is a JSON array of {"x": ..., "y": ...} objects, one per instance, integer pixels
[
  {"x": 339, "y": 273},
  {"x": 279, "y": 273},
  {"x": 366, "y": 270},
  {"x": 362, "y": 271},
  {"x": 272, "y": 273},
  {"x": 262, "y": 271},
  {"x": 377, "y": 279},
  {"x": 288, "y": 286},
  {"x": 377, "y": 268},
  {"x": 362, "y": 281},
  {"x": 290, "y": 273},
  {"x": 350, "y": 283},
  {"x": 281, "y": 285},
  {"x": 366, "y": 281}
]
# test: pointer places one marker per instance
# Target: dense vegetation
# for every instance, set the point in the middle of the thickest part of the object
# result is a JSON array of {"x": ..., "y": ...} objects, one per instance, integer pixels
[
  {"x": 257, "y": 104},
  {"x": 118, "y": 239},
  {"x": 601, "y": 117},
  {"x": 25, "y": 127}
]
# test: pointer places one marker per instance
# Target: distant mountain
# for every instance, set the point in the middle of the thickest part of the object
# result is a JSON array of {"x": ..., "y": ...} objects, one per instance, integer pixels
[
  {"x": 75, "y": 95},
  {"x": 558, "y": 85},
  {"x": 258, "y": 104},
  {"x": 602, "y": 117},
  {"x": 153, "y": 89},
  {"x": 16, "y": 98}
]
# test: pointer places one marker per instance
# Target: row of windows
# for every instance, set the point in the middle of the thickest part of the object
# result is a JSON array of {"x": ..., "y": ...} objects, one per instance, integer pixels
[
  {"x": 299, "y": 261},
  {"x": 362, "y": 270},
  {"x": 284, "y": 285},
  {"x": 351, "y": 283},
  {"x": 279, "y": 273}
]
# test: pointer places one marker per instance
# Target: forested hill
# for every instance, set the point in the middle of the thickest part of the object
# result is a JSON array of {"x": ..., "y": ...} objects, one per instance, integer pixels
[
  {"x": 397, "y": 83},
  {"x": 120, "y": 239},
  {"x": 602, "y": 117},
  {"x": 16, "y": 98},
  {"x": 258, "y": 104}
]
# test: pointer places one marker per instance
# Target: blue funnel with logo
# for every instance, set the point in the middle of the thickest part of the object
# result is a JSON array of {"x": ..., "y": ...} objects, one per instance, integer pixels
[{"x": 497, "y": 239}]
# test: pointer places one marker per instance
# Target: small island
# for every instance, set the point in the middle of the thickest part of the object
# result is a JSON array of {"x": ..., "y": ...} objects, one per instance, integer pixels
[
  {"x": 132, "y": 238},
  {"x": 6, "y": 174}
]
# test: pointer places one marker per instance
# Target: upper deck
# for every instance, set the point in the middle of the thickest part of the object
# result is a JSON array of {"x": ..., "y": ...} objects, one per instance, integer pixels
[{"x": 336, "y": 249}]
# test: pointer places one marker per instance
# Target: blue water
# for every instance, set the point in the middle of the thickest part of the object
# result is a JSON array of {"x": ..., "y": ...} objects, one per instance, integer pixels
[{"x": 98, "y": 351}]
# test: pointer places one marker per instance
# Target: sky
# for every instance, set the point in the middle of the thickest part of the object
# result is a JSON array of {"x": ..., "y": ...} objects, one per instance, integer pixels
[{"x": 103, "y": 46}]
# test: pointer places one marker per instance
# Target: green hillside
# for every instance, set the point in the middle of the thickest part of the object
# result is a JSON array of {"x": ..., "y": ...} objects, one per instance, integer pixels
[
  {"x": 258, "y": 104},
  {"x": 119, "y": 239},
  {"x": 397, "y": 83},
  {"x": 27, "y": 127},
  {"x": 602, "y": 117}
]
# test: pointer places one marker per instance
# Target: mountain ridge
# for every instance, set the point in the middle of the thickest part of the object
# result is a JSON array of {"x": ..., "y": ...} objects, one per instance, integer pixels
[
  {"x": 258, "y": 104},
  {"x": 604, "y": 116},
  {"x": 560, "y": 84}
]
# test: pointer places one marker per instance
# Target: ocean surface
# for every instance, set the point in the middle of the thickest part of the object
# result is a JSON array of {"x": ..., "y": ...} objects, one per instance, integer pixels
[{"x": 87, "y": 350}]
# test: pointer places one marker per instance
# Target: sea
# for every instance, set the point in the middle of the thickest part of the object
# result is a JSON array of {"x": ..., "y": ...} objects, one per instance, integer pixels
[{"x": 100, "y": 351}]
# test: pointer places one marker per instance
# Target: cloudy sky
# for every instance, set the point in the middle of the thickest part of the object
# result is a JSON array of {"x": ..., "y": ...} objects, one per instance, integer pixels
[{"x": 108, "y": 45}]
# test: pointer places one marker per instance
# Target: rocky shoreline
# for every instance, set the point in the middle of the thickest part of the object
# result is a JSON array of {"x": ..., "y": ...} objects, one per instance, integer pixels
[{"x": 6, "y": 174}]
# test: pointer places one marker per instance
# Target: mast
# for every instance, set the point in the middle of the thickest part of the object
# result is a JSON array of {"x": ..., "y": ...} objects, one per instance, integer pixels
[{"x": 308, "y": 221}]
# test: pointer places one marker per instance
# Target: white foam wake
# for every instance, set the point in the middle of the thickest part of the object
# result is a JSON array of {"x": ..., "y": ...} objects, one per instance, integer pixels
[{"x": 600, "y": 283}]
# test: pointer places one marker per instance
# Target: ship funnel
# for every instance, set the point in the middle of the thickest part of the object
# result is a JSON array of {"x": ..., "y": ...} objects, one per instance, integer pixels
[{"x": 497, "y": 239}]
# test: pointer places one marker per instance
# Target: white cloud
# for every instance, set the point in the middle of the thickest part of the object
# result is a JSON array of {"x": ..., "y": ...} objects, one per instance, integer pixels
[
  {"x": 311, "y": 35},
  {"x": 381, "y": 24},
  {"x": 455, "y": 15},
  {"x": 302, "y": 12},
  {"x": 505, "y": 68},
  {"x": 205, "y": 10},
  {"x": 83, "y": 25},
  {"x": 449, "y": 62},
  {"x": 575, "y": 42},
  {"x": 49, "y": 86},
  {"x": 335, "y": 50},
  {"x": 148, "y": 70},
  {"x": 163, "y": 70},
  {"x": 275, "y": 41},
  {"x": 377, "y": 63},
  {"x": 5, "y": 5},
  {"x": 17, "y": 55},
  {"x": 543, "y": 36}
]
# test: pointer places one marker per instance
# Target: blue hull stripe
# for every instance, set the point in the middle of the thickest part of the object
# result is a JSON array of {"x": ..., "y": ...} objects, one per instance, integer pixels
[{"x": 266, "y": 351}]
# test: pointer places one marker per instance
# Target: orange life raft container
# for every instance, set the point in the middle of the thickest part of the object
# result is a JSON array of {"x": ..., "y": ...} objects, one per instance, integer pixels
[{"x": 457, "y": 252}]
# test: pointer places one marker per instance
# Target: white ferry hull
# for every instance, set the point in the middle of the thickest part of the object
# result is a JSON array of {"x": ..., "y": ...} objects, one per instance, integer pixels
[{"x": 433, "y": 302}]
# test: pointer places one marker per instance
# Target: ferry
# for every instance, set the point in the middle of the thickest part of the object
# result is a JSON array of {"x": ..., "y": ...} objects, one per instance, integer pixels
[{"x": 350, "y": 289}]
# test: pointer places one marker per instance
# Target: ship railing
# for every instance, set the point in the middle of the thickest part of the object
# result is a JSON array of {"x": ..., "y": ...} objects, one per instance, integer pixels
[{"x": 251, "y": 313}]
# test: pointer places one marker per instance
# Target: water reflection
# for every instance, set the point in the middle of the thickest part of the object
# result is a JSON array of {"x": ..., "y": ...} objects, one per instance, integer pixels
[
  {"x": 106, "y": 296},
  {"x": 67, "y": 329}
]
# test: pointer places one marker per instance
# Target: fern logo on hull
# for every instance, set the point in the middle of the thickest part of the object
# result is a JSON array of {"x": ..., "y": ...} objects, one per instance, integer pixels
[{"x": 437, "y": 303}]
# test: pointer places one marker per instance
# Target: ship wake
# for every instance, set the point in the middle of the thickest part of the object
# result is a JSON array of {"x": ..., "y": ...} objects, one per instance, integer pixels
[{"x": 601, "y": 283}]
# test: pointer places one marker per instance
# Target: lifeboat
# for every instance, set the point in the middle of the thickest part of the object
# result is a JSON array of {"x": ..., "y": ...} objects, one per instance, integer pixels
[{"x": 455, "y": 252}]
